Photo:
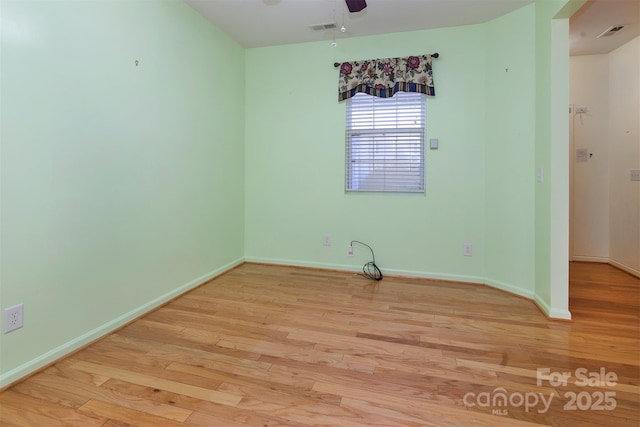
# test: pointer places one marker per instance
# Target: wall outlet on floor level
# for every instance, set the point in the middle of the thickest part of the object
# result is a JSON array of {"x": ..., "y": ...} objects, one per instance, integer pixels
[
  {"x": 326, "y": 240},
  {"x": 467, "y": 249},
  {"x": 13, "y": 318},
  {"x": 635, "y": 174},
  {"x": 350, "y": 250}
]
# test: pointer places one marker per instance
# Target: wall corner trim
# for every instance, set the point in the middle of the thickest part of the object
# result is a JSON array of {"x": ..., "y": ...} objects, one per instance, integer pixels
[{"x": 550, "y": 312}]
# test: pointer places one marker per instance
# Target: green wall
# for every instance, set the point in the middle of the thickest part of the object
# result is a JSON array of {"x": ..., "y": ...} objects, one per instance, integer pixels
[
  {"x": 480, "y": 182},
  {"x": 499, "y": 113},
  {"x": 509, "y": 150},
  {"x": 295, "y": 161},
  {"x": 122, "y": 185}
]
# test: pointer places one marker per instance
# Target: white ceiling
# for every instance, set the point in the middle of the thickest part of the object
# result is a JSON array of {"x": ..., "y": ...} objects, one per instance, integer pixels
[
  {"x": 258, "y": 23},
  {"x": 595, "y": 17}
]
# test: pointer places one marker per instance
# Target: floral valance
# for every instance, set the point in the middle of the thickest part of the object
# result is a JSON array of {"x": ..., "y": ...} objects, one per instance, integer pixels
[{"x": 385, "y": 77}]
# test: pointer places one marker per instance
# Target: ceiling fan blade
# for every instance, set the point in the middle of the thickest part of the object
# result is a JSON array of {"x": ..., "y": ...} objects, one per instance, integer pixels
[{"x": 356, "y": 5}]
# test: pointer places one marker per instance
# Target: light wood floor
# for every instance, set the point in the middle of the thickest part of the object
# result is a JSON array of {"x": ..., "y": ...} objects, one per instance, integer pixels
[{"x": 271, "y": 346}]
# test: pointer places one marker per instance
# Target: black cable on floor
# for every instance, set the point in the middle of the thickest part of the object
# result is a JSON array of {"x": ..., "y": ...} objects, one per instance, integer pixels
[{"x": 370, "y": 269}]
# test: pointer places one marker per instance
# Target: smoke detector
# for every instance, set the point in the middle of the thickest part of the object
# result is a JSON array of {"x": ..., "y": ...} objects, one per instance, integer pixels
[{"x": 611, "y": 31}]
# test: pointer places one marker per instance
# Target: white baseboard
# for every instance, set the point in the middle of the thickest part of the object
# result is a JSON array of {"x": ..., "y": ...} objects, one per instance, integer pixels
[
  {"x": 99, "y": 332},
  {"x": 583, "y": 258},
  {"x": 559, "y": 314},
  {"x": 509, "y": 288},
  {"x": 7, "y": 378},
  {"x": 624, "y": 267},
  {"x": 551, "y": 313},
  {"x": 435, "y": 276},
  {"x": 633, "y": 271},
  {"x": 352, "y": 268},
  {"x": 299, "y": 263}
]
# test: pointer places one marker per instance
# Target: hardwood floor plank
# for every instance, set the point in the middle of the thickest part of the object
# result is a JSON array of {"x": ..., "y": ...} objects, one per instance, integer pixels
[
  {"x": 434, "y": 415},
  {"x": 270, "y": 383},
  {"x": 201, "y": 358},
  {"x": 61, "y": 383},
  {"x": 355, "y": 345},
  {"x": 161, "y": 383},
  {"x": 221, "y": 414},
  {"x": 297, "y": 352},
  {"x": 53, "y": 395},
  {"x": 115, "y": 423},
  {"x": 306, "y": 412},
  {"x": 67, "y": 416},
  {"x": 206, "y": 420},
  {"x": 126, "y": 415},
  {"x": 21, "y": 417},
  {"x": 283, "y": 346},
  {"x": 144, "y": 333}
]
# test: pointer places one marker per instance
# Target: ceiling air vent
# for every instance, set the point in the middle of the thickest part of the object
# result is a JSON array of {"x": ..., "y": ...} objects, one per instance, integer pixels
[
  {"x": 322, "y": 27},
  {"x": 611, "y": 31}
]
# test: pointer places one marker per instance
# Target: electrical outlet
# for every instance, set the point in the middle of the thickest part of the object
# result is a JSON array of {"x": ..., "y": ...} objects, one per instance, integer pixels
[
  {"x": 635, "y": 174},
  {"x": 350, "y": 250},
  {"x": 13, "y": 318},
  {"x": 326, "y": 240},
  {"x": 467, "y": 249}
]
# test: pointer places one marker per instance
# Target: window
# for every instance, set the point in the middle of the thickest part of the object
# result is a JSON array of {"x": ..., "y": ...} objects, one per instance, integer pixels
[{"x": 385, "y": 143}]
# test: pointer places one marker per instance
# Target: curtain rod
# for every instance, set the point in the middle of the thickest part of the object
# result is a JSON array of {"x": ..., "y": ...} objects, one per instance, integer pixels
[{"x": 433, "y": 55}]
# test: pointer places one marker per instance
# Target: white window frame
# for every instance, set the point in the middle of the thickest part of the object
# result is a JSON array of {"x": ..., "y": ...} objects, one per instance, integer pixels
[{"x": 385, "y": 143}]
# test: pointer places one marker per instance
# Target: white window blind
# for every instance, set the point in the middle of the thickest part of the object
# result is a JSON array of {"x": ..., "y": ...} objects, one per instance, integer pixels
[{"x": 385, "y": 143}]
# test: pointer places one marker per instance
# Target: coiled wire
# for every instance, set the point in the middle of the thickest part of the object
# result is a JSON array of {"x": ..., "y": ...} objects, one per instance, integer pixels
[{"x": 370, "y": 270}]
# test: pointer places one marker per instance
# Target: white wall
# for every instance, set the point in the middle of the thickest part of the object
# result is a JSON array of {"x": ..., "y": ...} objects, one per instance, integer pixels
[
  {"x": 551, "y": 157},
  {"x": 606, "y": 203},
  {"x": 624, "y": 140},
  {"x": 590, "y": 213}
]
